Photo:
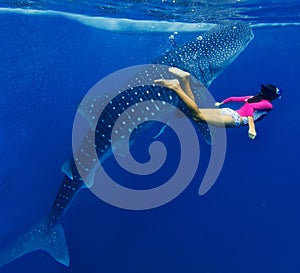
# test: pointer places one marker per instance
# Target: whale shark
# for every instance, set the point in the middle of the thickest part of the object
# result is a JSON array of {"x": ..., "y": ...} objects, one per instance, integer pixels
[
  {"x": 205, "y": 58},
  {"x": 209, "y": 54}
]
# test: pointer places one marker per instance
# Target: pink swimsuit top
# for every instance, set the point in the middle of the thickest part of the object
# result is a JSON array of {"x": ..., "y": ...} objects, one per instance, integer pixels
[{"x": 248, "y": 109}]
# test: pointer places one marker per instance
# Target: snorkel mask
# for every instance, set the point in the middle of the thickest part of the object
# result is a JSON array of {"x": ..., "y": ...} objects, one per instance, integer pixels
[{"x": 270, "y": 91}]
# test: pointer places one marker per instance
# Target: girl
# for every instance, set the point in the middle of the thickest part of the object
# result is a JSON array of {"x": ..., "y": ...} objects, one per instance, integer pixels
[{"x": 253, "y": 109}]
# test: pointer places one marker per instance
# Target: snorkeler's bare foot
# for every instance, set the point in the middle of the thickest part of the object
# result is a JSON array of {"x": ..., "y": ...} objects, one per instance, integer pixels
[
  {"x": 182, "y": 75},
  {"x": 171, "y": 84}
]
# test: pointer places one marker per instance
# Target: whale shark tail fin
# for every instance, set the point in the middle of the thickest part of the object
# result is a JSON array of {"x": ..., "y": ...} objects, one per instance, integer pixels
[{"x": 41, "y": 237}]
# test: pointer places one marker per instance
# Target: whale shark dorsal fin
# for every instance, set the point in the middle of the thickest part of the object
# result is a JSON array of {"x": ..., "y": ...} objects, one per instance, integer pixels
[{"x": 66, "y": 168}]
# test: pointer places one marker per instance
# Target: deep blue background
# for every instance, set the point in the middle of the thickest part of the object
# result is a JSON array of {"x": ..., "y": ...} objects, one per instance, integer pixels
[{"x": 247, "y": 223}]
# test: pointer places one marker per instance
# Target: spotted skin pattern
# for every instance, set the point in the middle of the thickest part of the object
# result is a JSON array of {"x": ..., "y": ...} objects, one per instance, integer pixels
[{"x": 205, "y": 58}]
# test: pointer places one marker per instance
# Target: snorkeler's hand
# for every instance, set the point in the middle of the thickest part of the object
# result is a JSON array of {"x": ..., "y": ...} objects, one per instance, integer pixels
[
  {"x": 217, "y": 104},
  {"x": 252, "y": 133}
]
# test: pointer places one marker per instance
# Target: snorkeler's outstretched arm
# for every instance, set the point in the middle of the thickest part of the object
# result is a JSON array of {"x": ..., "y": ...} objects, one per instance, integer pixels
[
  {"x": 232, "y": 99},
  {"x": 251, "y": 131},
  {"x": 218, "y": 104}
]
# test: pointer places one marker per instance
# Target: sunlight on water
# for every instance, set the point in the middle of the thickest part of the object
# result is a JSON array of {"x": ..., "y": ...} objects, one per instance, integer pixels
[
  {"x": 132, "y": 26},
  {"x": 195, "y": 11}
]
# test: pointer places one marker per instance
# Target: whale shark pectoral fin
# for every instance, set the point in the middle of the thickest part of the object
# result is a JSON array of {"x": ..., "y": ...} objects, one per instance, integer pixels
[
  {"x": 66, "y": 168},
  {"x": 162, "y": 130},
  {"x": 40, "y": 237}
]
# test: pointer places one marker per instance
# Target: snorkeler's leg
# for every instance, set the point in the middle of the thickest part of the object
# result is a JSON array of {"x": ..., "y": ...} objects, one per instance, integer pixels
[
  {"x": 184, "y": 78},
  {"x": 215, "y": 118},
  {"x": 210, "y": 116},
  {"x": 171, "y": 84},
  {"x": 175, "y": 86}
]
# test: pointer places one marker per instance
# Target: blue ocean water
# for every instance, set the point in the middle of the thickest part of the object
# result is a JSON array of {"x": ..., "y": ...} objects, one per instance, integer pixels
[{"x": 246, "y": 223}]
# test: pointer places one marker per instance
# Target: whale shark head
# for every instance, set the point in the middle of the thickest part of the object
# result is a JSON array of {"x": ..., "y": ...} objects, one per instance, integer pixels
[{"x": 209, "y": 54}]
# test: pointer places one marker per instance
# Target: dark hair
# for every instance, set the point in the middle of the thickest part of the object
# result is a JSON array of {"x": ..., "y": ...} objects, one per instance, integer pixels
[
  {"x": 267, "y": 92},
  {"x": 256, "y": 98}
]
